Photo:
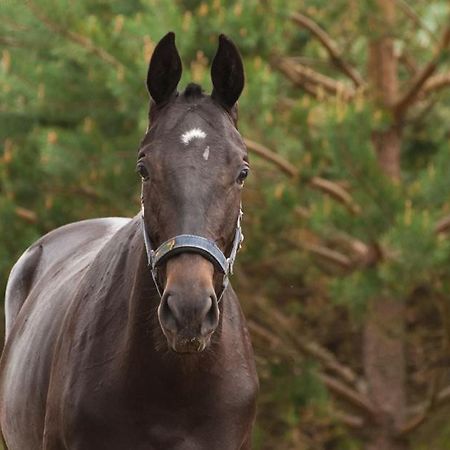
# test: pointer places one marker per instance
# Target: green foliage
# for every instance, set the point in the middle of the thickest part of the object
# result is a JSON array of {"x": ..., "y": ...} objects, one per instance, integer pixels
[{"x": 73, "y": 108}]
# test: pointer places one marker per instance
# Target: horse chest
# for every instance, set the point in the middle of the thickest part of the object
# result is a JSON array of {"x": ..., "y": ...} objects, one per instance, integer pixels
[{"x": 214, "y": 414}]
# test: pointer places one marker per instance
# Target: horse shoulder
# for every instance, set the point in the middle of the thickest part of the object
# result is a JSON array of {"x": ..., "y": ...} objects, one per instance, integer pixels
[
  {"x": 20, "y": 282},
  {"x": 51, "y": 249},
  {"x": 40, "y": 290}
]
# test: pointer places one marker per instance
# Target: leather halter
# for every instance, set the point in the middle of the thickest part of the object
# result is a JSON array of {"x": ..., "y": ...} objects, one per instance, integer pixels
[{"x": 189, "y": 243}]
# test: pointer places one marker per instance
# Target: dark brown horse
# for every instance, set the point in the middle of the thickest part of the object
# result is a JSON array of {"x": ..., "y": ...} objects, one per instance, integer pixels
[{"x": 123, "y": 334}]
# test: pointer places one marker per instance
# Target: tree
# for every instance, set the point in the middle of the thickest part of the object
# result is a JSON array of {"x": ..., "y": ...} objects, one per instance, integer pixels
[{"x": 395, "y": 246}]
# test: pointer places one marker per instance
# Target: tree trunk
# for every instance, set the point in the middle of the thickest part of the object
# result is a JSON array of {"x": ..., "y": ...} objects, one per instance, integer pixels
[
  {"x": 384, "y": 352},
  {"x": 384, "y": 364}
]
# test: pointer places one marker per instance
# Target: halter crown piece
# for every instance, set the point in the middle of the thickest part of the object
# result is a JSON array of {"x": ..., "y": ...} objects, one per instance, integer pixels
[{"x": 184, "y": 243}]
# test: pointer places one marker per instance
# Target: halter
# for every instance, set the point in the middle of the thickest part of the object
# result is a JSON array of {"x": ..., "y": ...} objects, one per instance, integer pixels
[{"x": 190, "y": 243}]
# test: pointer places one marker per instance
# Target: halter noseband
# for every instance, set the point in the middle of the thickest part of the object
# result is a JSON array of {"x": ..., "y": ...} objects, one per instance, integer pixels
[{"x": 184, "y": 243}]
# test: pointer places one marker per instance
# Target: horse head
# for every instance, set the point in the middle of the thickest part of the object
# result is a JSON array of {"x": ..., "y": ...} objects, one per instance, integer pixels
[{"x": 193, "y": 163}]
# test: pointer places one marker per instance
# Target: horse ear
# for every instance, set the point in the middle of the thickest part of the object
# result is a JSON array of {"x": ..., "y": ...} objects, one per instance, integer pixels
[
  {"x": 164, "y": 71},
  {"x": 227, "y": 73}
]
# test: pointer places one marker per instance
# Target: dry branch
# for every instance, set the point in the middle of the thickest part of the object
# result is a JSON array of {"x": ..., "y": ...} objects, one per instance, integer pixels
[
  {"x": 362, "y": 255},
  {"x": 347, "y": 394},
  {"x": 442, "y": 225},
  {"x": 338, "y": 388},
  {"x": 335, "y": 191},
  {"x": 443, "y": 397},
  {"x": 350, "y": 420},
  {"x": 426, "y": 409},
  {"x": 273, "y": 340},
  {"x": 309, "y": 348},
  {"x": 313, "y": 349},
  {"x": 290, "y": 73},
  {"x": 359, "y": 248},
  {"x": 10, "y": 42},
  {"x": 343, "y": 251},
  {"x": 313, "y": 82},
  {"x": 329, "y": 45},
  {"x": 267, "y": 154},
  {"x": 302, "y": 212},
  {"x": 26, "y": 214},
  {"x": 332, "y": 256},
  {"x": 436, "y": 82},
  {"x": 418, "y": 82}
]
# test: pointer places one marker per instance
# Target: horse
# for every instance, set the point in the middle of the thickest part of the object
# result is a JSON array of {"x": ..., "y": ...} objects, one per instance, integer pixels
[{"x": 124, "y": 333}]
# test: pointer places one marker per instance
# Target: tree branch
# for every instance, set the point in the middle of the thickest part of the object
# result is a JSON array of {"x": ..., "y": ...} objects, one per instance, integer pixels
[
  {"x": 289, "y": 72},
  {"x": 359, "y": 248},
  {"x": 334, "y": 54},
  {"x": 355, "y": 254},
  {"x": 335, "y": 191},
  {"x": 309, "y": 348},
  {"x": 407, "y": 60},
  {"x": 10, "y": 42},
  {"x": 77, "y": 38},
  {"x": 313, "y": 82},
  {"x": 347, "y": 394},
  {"x": 321, "y": 354},
  {"x": 285, "y": 166},
  {"x": 273, "y": 340},
  {"x": 362, "y": 255},
  {"x": 331, "y": 188},
  {"x": 426, "y": 409},
  {"x": 418, "y": 82},
  {"x": 443, "y": 397},
  {"x": 332, "y": 256},
  {"x": 349, "y": 420},
  {"x": 302, "y": 212},
  {"x": 442, "y": 225},
  {"x": 409, "y": 12},
  {"x": 437, "y": 82},
  {"x": 338, "y": 388},
  {"x": 26, "y": 214}
]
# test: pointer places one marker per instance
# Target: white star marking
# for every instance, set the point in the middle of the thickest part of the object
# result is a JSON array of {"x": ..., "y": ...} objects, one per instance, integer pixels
[{"x": 195, "y": 133}]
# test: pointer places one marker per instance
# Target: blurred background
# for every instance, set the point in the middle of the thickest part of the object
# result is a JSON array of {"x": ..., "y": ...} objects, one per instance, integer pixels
[{"x": 345, "y": 271}]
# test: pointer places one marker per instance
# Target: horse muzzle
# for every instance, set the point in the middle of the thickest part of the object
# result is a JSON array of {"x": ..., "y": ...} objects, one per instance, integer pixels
[
  {"x": 188, "y": 327},
  {"x": 189, "y": 311}
]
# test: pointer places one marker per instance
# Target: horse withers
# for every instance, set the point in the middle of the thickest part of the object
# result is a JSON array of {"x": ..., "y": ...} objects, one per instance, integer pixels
[{"x": 124, "y": 334}]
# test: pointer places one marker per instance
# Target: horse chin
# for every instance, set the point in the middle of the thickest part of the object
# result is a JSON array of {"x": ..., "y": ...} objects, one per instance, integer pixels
[{"x": 188, "y": 346}]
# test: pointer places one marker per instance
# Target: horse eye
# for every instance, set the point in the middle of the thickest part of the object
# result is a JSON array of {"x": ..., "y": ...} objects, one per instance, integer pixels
[
  {"x": 142, "y": 171},
  {"x": 242, "y": 176}
]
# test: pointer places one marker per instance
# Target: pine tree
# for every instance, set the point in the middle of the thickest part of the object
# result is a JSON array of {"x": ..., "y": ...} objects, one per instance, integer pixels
[{"x": 380, "y": 238}]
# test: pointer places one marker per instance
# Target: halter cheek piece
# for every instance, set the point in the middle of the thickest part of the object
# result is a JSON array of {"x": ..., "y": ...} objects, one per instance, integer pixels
[{"x": 189, "y": 243}]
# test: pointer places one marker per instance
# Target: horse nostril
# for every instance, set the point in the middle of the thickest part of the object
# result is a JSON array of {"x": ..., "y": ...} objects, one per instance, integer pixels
[
  {"x": 187, "y": 317},
  {"x": 166, "y": 314},
  {"x": 211, "y": 319}
]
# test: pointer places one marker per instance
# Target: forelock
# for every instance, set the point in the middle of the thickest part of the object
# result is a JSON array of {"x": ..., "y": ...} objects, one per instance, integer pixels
[{"x": 193, "y": 91}]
